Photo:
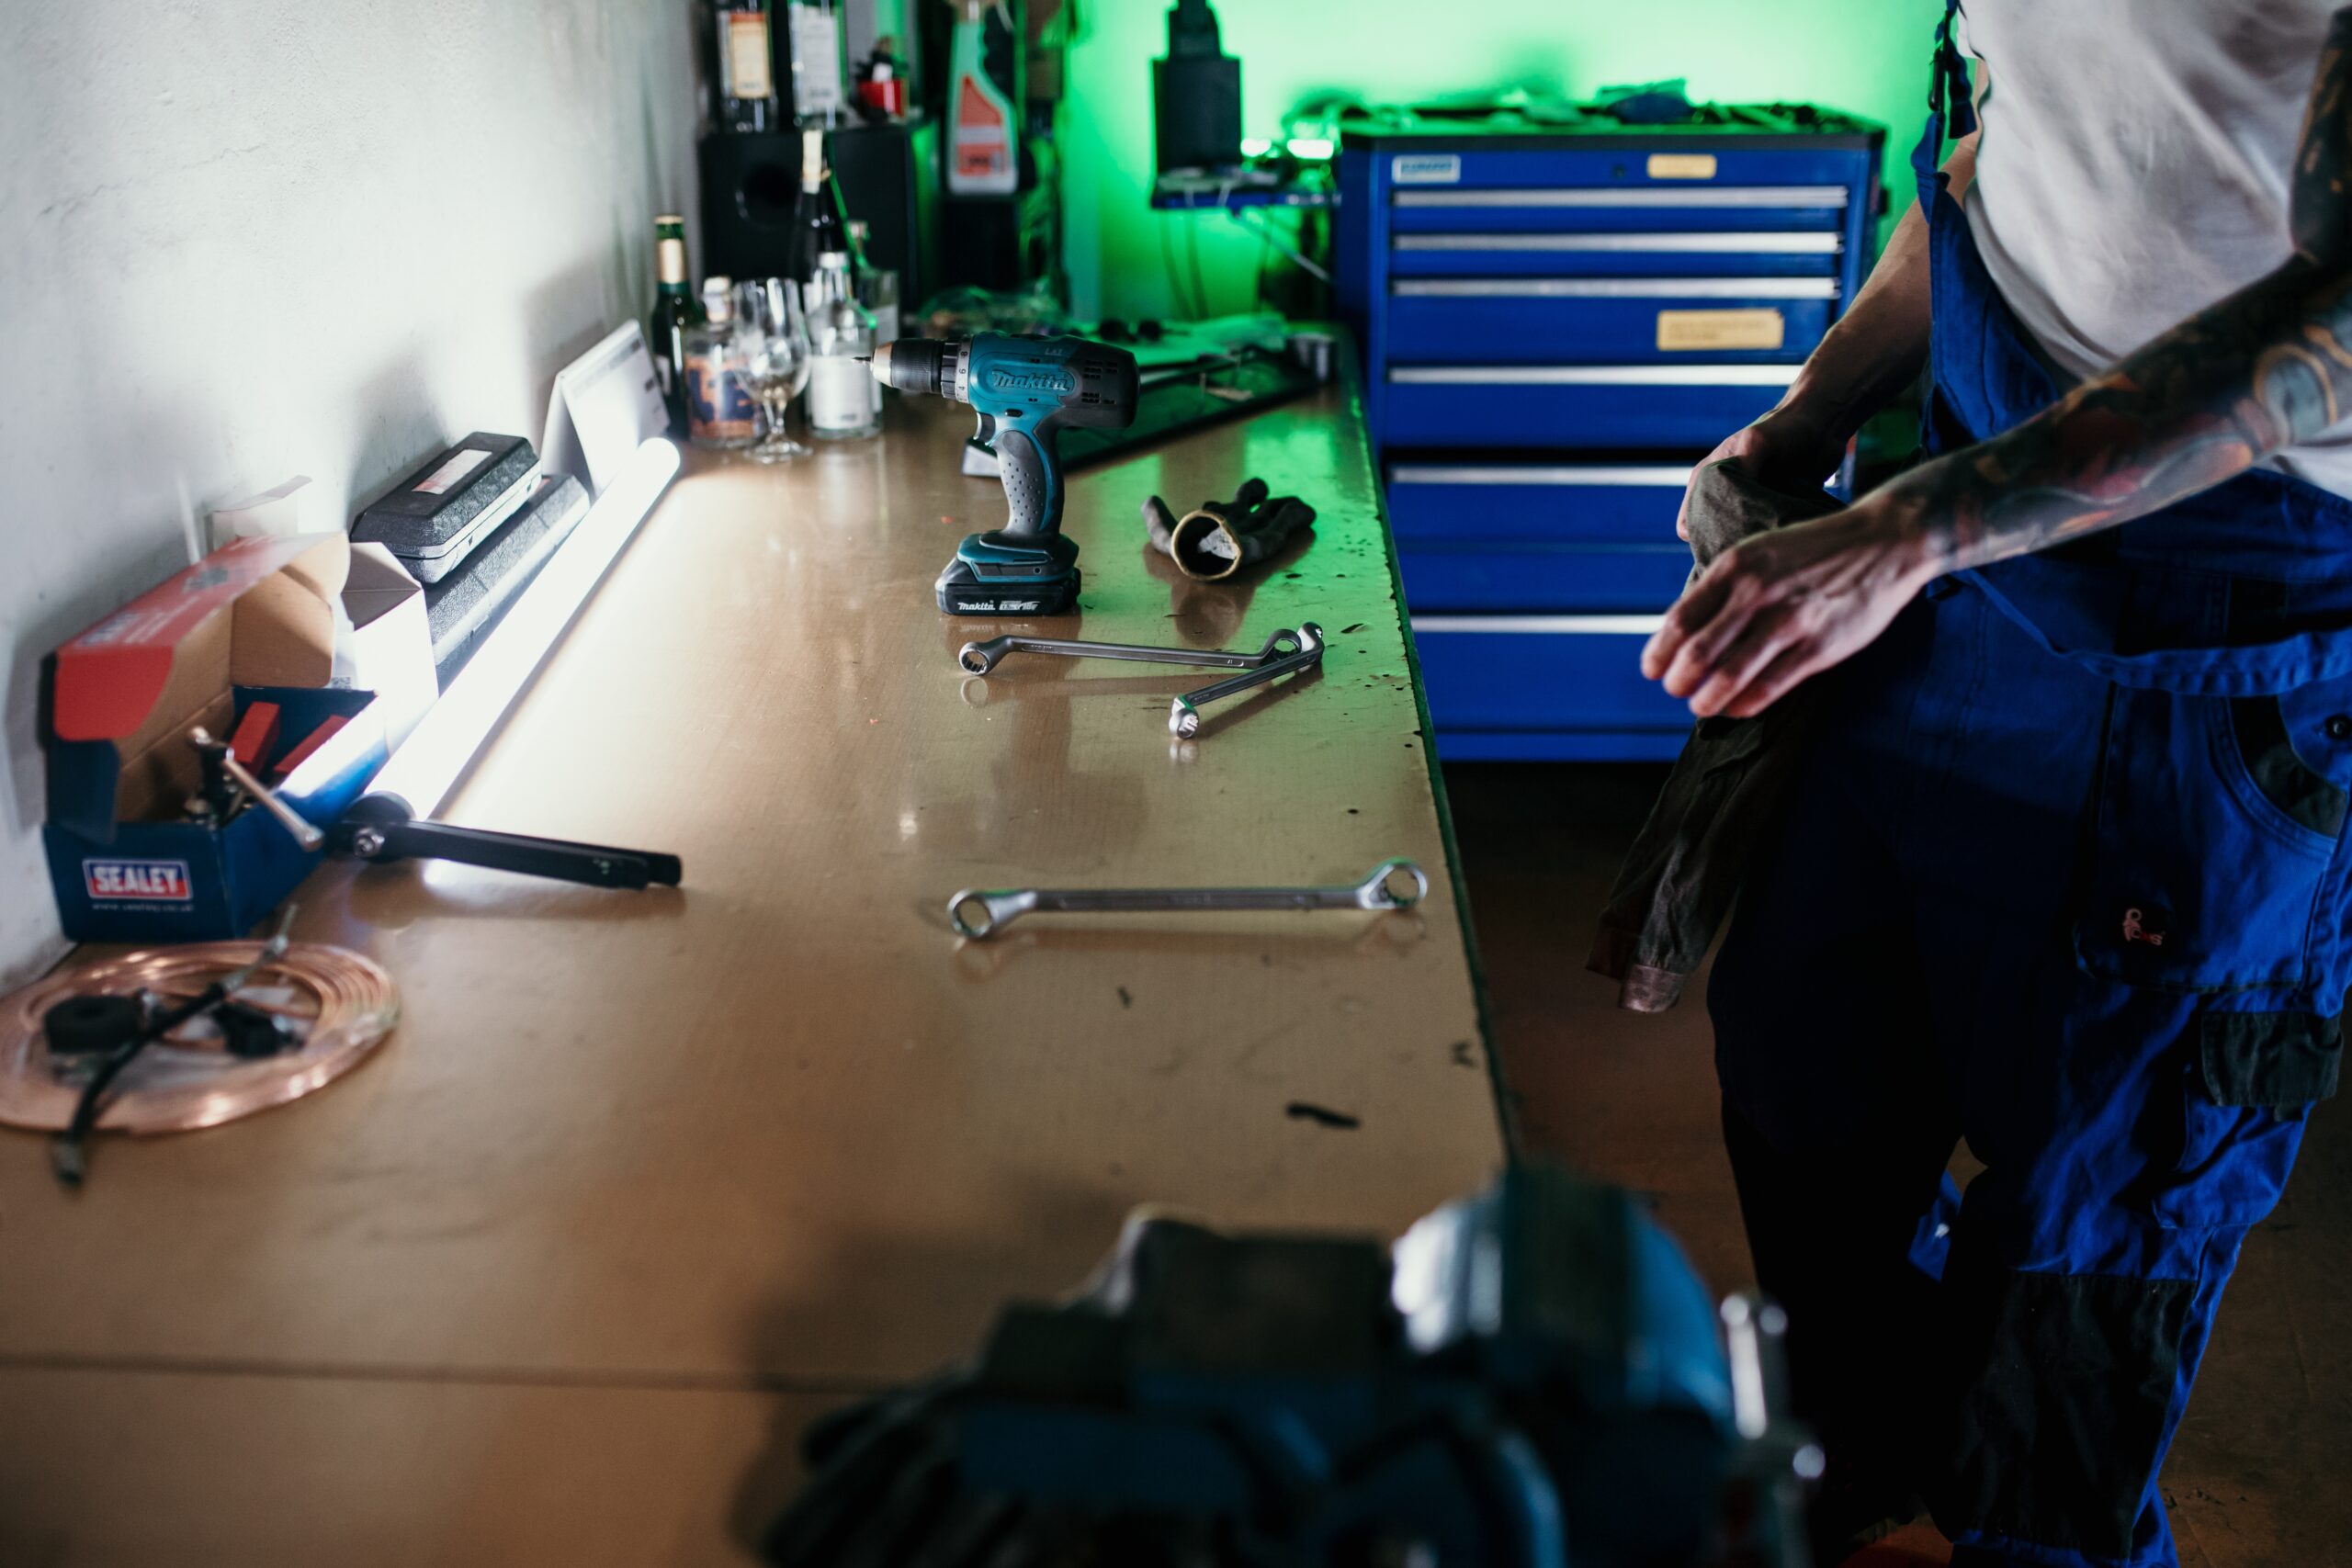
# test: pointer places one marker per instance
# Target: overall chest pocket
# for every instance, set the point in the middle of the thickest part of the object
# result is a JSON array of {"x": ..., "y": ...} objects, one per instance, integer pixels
[{"x": 2215, "y": 837}]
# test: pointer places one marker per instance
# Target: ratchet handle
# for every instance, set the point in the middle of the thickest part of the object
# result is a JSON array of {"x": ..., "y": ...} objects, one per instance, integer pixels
[{"x": 594, "y": 865}]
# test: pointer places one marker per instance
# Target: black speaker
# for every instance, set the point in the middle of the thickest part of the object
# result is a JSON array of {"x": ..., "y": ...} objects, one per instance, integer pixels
[
  {"x": 751, "y": 185},
  {"x": 1196, "y": 94}
]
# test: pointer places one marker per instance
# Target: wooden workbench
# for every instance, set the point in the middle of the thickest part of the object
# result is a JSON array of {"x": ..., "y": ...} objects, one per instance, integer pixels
[{"x": 644, "y": 1180}]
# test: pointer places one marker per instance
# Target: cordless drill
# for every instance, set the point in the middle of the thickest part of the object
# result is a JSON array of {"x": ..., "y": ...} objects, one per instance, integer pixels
[{"x": 1026, "y": 391}]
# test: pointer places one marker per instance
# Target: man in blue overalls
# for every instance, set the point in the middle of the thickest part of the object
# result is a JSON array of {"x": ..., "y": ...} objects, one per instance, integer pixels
[{"x": 2065, "y": 875}]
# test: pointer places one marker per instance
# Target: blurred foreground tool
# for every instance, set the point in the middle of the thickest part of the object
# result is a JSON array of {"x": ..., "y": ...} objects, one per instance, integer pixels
[
  {"x": 1532, "y": 1377},
  {"x": 1217, "y": 538}
]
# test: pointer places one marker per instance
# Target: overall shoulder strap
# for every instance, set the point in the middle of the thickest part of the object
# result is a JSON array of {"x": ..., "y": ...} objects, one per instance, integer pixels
[
  {"x": 1948, "y": 95},
  {"x": 1949, "y": 102}
]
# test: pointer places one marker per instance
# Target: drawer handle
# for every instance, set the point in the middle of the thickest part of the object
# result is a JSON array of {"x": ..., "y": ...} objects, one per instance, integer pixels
[
  {"x": 1665, "y": 476},
  {"x": 1615, "y": 288},
  {"x": 1825, "y": 243},
  {"x": 1542, "y": 626},
  {"x": 1711, "y": 195},
  {"x": 1593, "y": 375}
]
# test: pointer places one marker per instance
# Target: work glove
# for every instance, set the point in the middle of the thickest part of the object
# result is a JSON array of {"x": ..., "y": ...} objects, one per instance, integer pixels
[{"x": 1217, "y": 538}]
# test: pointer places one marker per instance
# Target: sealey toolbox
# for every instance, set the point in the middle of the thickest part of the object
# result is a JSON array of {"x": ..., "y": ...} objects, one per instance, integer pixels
[
  {"x": 249, "y": 629},
  {"x": 1559, "y": 315}
]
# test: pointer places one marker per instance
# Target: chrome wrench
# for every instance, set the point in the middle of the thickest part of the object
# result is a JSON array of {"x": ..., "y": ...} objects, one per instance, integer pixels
[
  {"x": 1184, "y": 713},
  {"x": 980, "y": 658},
  {"x": 978, "y": 915}
]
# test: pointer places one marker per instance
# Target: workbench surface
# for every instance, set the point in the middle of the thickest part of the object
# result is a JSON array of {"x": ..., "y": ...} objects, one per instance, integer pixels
[{"x": 642, "y": 1180}]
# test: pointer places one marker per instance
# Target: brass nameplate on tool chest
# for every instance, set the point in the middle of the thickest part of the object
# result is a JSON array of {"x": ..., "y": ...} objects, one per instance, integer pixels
[
  {"x": 1683, "y": 166},
  {"x": 1721, "y": 329}
]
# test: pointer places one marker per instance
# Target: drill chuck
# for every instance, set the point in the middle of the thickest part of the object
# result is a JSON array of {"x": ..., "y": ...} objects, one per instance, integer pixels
[{"x": 925, "y": 364}]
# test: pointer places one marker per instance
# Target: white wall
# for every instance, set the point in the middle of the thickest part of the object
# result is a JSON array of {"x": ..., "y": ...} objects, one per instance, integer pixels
[{"x": 244, "y": 239}]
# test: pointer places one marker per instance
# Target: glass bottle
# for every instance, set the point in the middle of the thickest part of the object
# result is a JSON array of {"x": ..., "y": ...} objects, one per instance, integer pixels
[
  {"x": 878, "y": 291},
  {"x": 818, "y": 96},
  {"x": 674, "y": 314},
  {"x": 816, "y": 219},
  {"x": 746, "y": 76},
  {"x": 841, "y": 406},
  {"x": 720, "y": 410}
]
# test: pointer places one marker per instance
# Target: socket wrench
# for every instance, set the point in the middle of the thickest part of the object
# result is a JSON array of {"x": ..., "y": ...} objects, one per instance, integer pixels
[
  {"x": 979, "y": 915},
  {"x": 980, "y": 658},
  {"x": 1184, "y": 713},
  {"x": 308, "y": 837}
]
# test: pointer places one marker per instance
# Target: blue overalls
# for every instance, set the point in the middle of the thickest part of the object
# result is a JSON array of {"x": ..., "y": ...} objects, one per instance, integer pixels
[{"x": 2065, "y": 878}]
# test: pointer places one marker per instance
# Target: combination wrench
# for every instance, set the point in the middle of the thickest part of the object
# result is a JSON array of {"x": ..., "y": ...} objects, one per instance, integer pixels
[
  {"x": 980, "y": 658},
  {"x": 978, "y": 915}
]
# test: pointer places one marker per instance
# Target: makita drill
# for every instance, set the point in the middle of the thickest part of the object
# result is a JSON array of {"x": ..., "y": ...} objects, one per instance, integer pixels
[{"x": 1026, "y": 390}]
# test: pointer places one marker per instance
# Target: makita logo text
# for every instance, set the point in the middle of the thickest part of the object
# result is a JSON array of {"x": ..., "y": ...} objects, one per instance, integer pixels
[
  {"x": 156, "y": 881},
  {"x": 1031, "y": 381}
]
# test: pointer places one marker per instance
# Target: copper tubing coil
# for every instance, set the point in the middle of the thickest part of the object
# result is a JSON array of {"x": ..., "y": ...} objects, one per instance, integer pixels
[{"x": 346, "y": 1004}]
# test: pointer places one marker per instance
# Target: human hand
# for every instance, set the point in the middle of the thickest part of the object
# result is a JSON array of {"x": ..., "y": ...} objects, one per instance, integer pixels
[
  {"x": 1787, "y": 450},
  {"x": 1785, "y": 605}
]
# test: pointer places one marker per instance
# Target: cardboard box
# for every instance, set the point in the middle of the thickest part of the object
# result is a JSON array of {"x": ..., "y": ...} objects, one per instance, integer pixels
[
  {"x": 392, "y": 640},
  {"x": 253, "y": 621}
]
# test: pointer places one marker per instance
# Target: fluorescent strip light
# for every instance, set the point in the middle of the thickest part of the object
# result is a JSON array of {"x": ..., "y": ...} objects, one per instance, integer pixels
[
  {"x": 1311, "y": 149},
  {"x": 443, "y": 743}
]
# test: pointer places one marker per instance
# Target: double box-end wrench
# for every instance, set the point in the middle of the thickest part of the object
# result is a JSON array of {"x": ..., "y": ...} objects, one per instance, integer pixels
[
  {"x": 1184, "y": 713},
  {"x": 1286, "y": 653},
  {"x": 978, "y": 915},
  {"x": 980, "y": 658}
]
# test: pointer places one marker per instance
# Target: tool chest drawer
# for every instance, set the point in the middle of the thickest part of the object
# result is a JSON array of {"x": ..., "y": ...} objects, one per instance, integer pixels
[
  {"x": 1659, "y": 165},
  {"x": 1590, "y": 503},
  {"x": 1521, "y": 537},
  {"x": 1559, "y": 405},
  {"x": 1488, "y": 576},
  {"x": 1607, "y": 319},
  {"x": 1539, "y": 673},
  {"x": 1676, "y": 207},
  {"x": 1733, "y": 254}
]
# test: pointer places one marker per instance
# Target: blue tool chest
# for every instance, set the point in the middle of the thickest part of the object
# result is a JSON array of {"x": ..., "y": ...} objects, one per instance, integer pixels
[{"x": 1556, "y": 322}]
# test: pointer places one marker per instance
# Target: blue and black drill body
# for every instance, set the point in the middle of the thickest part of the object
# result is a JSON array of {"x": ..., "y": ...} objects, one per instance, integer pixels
[{"x": 1028, "y": 390}]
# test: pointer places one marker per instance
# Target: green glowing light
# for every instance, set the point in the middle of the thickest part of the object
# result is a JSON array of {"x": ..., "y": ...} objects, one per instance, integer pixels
[{"x": 1311, "y": 149}]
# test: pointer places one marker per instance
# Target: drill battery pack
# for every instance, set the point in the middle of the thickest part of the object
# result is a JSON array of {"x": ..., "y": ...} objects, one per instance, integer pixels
[{"x": 994, "y": 574}]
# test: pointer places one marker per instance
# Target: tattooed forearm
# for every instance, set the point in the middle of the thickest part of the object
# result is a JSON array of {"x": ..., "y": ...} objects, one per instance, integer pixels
[{"x": 2264, "y": 368}]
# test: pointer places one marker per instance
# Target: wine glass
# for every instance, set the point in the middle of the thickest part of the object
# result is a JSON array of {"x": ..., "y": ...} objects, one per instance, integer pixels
[{"x": 775, "y": 358}]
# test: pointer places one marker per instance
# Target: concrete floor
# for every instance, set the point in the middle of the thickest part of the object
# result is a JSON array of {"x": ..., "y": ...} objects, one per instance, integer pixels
[{"x": 2257, "y": 1474}]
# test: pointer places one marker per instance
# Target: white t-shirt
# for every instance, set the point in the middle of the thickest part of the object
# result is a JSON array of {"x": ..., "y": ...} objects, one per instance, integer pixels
[{"x": 2133, "y": 168}]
